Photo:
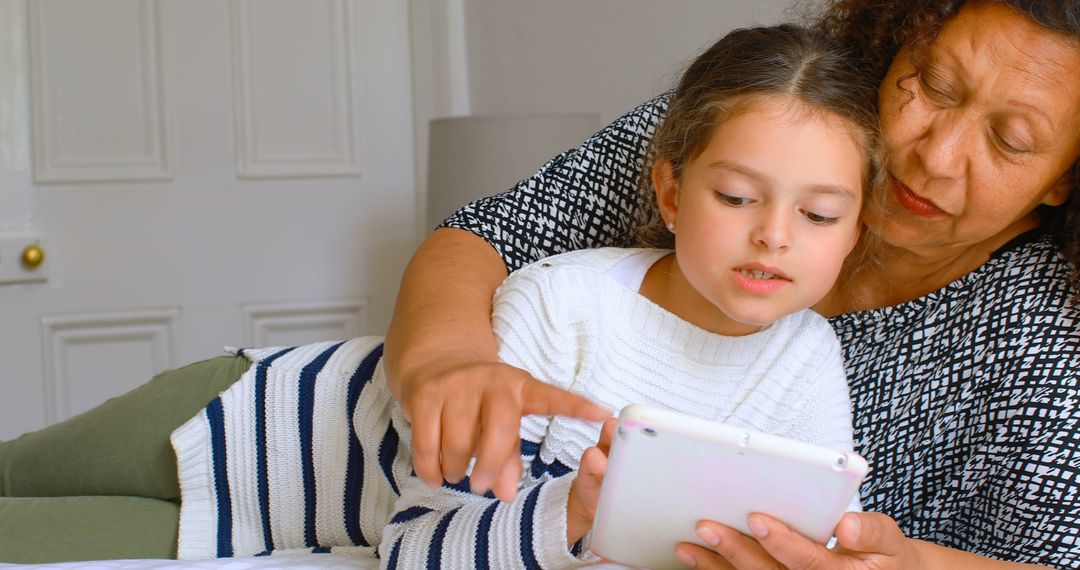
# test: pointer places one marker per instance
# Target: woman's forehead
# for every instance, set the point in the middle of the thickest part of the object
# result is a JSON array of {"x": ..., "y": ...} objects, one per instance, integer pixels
[{"x": 993, "y": 47}]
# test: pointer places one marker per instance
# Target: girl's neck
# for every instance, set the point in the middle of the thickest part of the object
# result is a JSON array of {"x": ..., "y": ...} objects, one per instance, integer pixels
[{"x": 665, "y": 285}]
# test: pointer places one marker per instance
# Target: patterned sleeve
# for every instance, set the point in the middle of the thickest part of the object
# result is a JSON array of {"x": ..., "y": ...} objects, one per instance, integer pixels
[{"x": 585, "y": 197}]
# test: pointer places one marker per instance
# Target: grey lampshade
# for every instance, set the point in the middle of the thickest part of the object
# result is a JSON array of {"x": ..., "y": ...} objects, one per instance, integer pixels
[{"x": 473, "y": 157}]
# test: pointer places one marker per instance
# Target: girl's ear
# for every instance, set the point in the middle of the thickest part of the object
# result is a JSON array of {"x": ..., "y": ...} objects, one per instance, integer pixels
[{"x": 667, "y": 189}]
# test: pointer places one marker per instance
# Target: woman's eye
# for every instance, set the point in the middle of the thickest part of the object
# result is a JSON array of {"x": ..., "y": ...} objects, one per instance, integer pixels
[
  {"x": 819, "y": 219},
  {"x": 732, "y": 200},
  {"x": 1009, "y": 147},
  {"x": 934, "y": 90}
]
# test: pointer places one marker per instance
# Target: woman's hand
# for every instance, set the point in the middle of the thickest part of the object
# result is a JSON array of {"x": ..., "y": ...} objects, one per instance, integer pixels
[
  {"x": 871, "y": 541},
  {"x": 585, "y": 490}
]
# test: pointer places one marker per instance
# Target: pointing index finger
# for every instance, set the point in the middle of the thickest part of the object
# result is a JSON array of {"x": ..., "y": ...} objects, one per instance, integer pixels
[{"x": 547, "y": 400}]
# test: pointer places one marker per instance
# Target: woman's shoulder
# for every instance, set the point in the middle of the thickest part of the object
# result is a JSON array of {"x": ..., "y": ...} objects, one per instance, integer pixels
[
  {"x": 1029, "y": 278},
  {"x": 1013, "y": 325},
  {"x": 1025, "y": 285},
  {"x": 1034, "y": 258}
]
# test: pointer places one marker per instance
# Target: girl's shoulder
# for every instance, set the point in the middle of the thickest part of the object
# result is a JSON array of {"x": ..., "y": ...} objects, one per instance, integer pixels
[
  {"x": 582, "y": 276},
  {"x": 590, "y": 264}
]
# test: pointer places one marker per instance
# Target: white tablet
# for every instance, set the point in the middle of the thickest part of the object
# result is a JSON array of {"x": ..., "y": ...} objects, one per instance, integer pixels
[{"x": 667, "y": 471}]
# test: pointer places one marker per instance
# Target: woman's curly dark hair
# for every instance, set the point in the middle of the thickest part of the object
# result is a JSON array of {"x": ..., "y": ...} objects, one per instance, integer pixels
[{"x": 877, "y": 29}]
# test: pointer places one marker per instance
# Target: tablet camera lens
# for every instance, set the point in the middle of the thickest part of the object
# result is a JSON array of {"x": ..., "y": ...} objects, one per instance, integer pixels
[
  {"x": 840, "y": 462},
  {"x": 649, "y": 431}
]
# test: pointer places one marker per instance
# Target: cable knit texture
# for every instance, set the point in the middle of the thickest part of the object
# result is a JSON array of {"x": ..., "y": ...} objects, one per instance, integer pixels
[
  {"x": 309, "y": 451},
  {"x": 567, "y": 321}
]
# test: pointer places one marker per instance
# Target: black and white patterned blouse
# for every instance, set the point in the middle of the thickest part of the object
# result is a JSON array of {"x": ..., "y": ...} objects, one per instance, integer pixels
[{"x": 966, "y": 401}]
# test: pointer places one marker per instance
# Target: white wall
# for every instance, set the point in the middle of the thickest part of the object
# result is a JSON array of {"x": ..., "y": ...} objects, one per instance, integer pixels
[{"x": 606, "y": 56}]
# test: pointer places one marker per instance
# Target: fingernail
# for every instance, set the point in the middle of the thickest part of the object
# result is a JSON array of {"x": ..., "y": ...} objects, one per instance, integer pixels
[
  {"x": 854, "y": 525},
  {"x": 685, "y": 558},
  {"x": 757, "y": 527},
  {"x": 710, "y": 537},
  {"x": 480, "y": 483}
]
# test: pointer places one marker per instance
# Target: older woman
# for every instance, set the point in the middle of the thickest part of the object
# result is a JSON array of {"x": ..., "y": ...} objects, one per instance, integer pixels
[{"x": 962, "y": 347}]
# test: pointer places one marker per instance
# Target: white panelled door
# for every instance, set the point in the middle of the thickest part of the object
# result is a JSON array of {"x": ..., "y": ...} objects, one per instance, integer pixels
[{"x": 198, "y": 173}]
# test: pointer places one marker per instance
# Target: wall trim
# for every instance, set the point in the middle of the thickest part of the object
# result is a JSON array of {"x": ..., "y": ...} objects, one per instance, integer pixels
[
  {"x": 262, "y": 319},
  {"x": 60, "y": 332},
  {"x": 440, "y": 79},
  {"x": 49, "y": 166},
  {"x": 251, "y": 162}
]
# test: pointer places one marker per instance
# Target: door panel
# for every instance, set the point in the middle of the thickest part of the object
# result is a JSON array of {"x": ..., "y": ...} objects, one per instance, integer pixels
[{"x": 204, "y": 174}]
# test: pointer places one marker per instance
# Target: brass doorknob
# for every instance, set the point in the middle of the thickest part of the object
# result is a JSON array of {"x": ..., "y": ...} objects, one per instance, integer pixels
[{"x": 33, "y": 256}]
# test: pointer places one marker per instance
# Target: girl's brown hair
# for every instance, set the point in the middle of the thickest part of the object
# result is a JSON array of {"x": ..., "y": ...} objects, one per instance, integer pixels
[{"x": 804, "y": 65}]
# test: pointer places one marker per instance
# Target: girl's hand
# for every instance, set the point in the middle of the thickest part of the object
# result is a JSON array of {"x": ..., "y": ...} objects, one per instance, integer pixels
[
  {"x": 464, "y": 409},
  {"x": 442, "y": 365},
  {"x": 585, "y": 490},
  {"x": 870, "y": 541}
]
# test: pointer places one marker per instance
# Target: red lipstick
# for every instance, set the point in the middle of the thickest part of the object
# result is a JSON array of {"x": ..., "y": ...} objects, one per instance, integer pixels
[{"x": 912, "y": 202}]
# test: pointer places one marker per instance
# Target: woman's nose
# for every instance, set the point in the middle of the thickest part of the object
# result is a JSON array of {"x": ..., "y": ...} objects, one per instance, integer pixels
[{"x": 943, "y": 146}]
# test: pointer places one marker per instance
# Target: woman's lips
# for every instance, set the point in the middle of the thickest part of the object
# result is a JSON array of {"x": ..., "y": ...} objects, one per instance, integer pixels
[{"x": 912, "y": 202}]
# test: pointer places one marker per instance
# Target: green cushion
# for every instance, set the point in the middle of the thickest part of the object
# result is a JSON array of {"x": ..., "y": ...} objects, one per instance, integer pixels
[
  {"x": 63, "y": 529},
  {"x": 120, "y": 447}
]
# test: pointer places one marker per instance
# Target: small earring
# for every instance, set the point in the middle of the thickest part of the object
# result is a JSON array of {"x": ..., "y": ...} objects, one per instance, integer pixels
[{"x": 671, "y": 227}]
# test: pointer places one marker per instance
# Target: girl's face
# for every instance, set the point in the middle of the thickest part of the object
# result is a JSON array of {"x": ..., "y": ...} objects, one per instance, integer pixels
[
  {"x": 982, "y": 134},
  {"x": 764, "y": 216}
]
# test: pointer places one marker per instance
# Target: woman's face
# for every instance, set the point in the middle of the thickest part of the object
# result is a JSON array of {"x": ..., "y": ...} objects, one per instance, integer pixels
[{"x": 983, "y": 133}]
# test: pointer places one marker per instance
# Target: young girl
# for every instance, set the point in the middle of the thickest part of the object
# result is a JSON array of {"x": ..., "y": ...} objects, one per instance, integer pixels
[{"x": 757, "y": 178}]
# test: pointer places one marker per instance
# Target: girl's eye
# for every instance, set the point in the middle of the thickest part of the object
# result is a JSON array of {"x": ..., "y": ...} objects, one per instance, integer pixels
[
  {"x": 732, "y": 200},
  {"x": 818, "y": 219}
]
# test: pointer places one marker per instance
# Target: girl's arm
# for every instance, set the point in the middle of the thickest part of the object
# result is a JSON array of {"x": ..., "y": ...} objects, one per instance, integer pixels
[
  {"x": 452, "y": 525},
  {"x": 441, "y": 364},
  {"x": 440, "y": 353},
  {"x": 453, "y": 528}
]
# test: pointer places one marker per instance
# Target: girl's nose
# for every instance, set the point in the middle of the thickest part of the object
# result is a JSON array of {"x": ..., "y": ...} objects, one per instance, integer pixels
[{"x": 773, "y": 232}]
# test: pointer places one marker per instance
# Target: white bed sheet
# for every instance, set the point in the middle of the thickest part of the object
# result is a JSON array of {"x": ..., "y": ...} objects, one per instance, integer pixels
[
  {"x": 292, "y": 560},
  {"x": 302, "y": 560}
]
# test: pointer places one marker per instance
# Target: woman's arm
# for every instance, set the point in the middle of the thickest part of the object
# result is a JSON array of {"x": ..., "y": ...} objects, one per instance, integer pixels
[
  {"x": 441, "y": 364},
  {"x": 440, "y": 352},
  {"x": 443, "y": 308}
]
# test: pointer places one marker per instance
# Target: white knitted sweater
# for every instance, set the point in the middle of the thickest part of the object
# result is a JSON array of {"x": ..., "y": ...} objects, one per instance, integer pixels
[
  {"x": 308, "y": 449},
  {"x": 570, "y": 321}
]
